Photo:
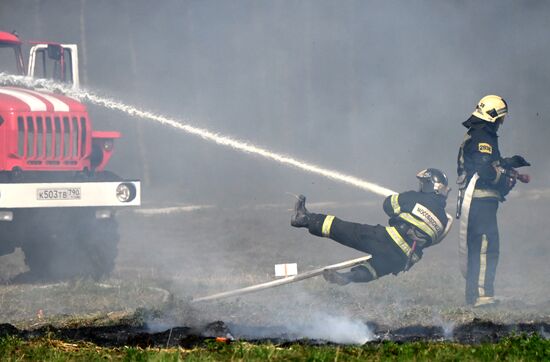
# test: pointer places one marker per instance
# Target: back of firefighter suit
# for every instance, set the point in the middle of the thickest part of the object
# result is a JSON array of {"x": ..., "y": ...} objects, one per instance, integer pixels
[
  {"x": 417, "y": 220},
  {"x": 484, "y": 179}
]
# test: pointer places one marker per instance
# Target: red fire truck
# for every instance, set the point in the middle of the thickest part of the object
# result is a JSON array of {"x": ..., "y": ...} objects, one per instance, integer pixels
[{"x": 57, "y": 201}]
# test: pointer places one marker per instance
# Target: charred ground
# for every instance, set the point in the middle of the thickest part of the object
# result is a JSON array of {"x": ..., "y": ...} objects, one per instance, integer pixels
[{"x": 120, "y": 335}]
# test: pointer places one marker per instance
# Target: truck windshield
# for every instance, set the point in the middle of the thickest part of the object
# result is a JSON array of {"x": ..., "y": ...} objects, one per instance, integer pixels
[
  {"x": 54, "y": 64},
  {"x": 8, "y": 59}
]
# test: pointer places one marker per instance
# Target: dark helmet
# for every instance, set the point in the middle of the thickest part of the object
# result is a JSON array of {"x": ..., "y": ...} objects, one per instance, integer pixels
[{"x": 433, "y": 180}]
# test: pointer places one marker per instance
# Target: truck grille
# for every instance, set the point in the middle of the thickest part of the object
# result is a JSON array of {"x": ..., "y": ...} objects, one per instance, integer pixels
[{"x": 51, "y": 140}]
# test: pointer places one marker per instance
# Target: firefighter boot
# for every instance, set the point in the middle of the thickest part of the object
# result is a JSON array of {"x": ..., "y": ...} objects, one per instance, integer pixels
[
  {"x": 484, "y": 302},
  {"x": 300, "y": 218}
]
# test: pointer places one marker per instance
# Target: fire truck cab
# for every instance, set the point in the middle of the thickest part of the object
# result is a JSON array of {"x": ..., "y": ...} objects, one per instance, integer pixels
[
  {"x": 46, "y": 60},
  {"x": 57, "y": 201}
]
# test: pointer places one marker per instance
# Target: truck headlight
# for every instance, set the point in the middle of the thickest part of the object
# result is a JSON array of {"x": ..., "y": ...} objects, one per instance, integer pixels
[
  {"x": 6, "y": 216},
  {"x": 125, "y": 192},
  {"x": 103, "y": 214},
  {"x": 108, "y": 144}
]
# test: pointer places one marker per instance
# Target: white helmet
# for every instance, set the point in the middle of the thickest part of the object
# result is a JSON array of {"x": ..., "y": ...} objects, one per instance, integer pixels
[{"x": 490, "y": 108}]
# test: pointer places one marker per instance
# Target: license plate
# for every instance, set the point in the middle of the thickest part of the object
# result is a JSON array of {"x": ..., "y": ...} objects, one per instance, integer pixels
[{"x": 65, "y": 193}]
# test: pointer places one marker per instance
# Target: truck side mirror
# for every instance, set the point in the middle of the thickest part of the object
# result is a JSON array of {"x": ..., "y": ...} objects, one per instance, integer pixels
[{"x": 54, "y": 51}]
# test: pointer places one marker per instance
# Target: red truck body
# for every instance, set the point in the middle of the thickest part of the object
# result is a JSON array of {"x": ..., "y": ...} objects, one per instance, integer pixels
[
  {"x": 57, "y": 201},
  {"x": 48, "y": 132}
]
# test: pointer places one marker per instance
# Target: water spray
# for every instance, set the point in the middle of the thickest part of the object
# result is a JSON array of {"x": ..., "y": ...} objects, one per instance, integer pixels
[{"x": 205, "y": 134}]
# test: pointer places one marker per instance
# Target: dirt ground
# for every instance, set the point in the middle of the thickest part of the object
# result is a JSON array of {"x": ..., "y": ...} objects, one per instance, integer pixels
[{"x": 167, "y": 258}]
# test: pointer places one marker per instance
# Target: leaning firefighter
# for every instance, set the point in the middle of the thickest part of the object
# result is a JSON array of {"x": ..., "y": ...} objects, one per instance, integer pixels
[
  {"x": 417, "y": 221},
  {"x": 484, "y": 179}
]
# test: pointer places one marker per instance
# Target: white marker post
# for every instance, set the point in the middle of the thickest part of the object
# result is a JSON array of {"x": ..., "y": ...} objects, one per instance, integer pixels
[
  {"x": 286, "y": 270},
  {"x": 288, "y": 280}
]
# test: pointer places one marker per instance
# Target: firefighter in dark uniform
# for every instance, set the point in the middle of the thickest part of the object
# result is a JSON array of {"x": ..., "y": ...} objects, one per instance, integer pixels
[
  {"x": 417, "y": 221},
  {"x": 495, "y": 176}
]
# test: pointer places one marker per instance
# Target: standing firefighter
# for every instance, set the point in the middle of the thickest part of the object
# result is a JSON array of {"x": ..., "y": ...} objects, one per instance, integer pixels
[
  {"x": 484, "y": 178},
  {"x": 417, "y": 221}
]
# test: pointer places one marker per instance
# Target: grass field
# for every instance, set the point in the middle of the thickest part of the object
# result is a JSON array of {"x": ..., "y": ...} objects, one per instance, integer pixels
[{"x": 520, "y": 348}]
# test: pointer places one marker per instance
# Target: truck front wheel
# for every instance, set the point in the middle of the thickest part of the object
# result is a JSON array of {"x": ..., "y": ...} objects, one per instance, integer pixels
[{"x": 70, "y": 245}]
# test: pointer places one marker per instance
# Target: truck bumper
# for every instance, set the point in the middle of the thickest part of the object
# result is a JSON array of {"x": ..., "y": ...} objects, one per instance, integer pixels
[{"x": 70, "y": 194}]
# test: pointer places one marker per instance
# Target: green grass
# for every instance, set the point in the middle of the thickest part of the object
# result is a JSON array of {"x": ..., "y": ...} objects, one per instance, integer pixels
[{"x": 519, "y": 348}]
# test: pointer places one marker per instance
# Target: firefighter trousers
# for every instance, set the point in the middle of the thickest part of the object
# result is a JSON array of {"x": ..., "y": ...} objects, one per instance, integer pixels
[
  {"x": 387, "y": 257},
  {"x": 483, "y": 249}
]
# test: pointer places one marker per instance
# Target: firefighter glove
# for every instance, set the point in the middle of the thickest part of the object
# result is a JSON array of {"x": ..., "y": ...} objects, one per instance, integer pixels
[{"x": 515, "y": 162}]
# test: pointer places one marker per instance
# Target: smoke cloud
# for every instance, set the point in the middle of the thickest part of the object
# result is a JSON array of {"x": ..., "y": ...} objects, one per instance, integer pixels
[{"x": 335, "y": 329}]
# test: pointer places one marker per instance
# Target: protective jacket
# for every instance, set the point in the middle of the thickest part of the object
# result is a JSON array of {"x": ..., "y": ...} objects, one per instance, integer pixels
[
  {"x": 479, "y": 153},
  {"x": 417, "y": 217},
  {"x": 417, "y": 220}
]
